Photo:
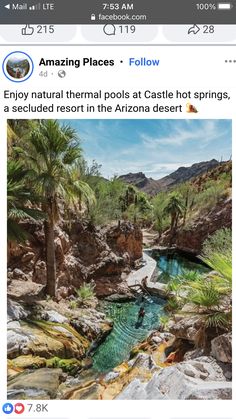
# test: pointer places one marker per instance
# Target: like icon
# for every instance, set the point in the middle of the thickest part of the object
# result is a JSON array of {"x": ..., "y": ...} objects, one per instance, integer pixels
[
  {"x": 19, "y": 408},
  {"x": 7, "y": 408}
]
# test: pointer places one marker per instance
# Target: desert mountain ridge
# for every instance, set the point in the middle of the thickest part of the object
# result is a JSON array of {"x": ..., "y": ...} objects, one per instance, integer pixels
[{"x": 182, "y": 174}]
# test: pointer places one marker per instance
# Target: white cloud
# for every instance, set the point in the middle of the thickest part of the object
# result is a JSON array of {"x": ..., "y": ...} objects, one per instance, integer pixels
[{"x": 206, "y": 132}]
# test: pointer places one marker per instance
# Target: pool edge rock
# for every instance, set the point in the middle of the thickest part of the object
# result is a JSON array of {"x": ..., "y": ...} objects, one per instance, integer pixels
[{"x": 146, "y": 278}]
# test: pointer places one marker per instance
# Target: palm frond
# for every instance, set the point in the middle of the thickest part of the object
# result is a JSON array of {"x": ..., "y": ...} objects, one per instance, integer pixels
[
  {"x": 221, "y": 264},
  {"x": 206, "y": 296},
  {"x": 15, "y": 233},
  {"x": 218, "y": 320}
]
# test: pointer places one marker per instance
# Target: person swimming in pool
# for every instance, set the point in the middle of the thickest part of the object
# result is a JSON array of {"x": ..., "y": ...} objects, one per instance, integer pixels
[{"x": 141, "y": 314}]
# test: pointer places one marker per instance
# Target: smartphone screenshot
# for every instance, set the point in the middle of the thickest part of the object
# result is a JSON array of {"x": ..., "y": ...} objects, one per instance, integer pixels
[{"x": 117, "y": 125}]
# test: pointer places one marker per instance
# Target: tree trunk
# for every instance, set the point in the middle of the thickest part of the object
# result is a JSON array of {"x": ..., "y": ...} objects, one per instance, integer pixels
[
  {"x": 172, "y": 228},
  {"x": 173, "y": 216},
  {"x": 186, "y": 208},
  {"x": 80, "y": 202},
  {"x": 176, "y": 221},
  {"x": 50, "y": 258}
]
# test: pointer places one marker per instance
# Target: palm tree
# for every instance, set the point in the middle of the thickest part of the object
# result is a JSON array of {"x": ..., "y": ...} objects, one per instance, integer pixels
[
  {"x": 51, "y": 154},
  {"x": 205, "y": 295},
  {"x": 212, "y": 296},
  {"x": 209, "y": 302},
  {"x": 221, "y": 264},
  {"x": 174, "y": 208},
  {"x": 217, "y": 253},
  {"x": 19, "y": 196},
  {"x": 17, "y": 130}
]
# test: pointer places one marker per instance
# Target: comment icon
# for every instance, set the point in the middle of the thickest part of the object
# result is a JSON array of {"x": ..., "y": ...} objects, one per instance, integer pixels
[{"x": 109, "y": 29}]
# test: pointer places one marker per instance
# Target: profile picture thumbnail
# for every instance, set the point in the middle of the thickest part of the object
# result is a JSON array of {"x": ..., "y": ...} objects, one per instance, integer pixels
[{"x": 18, "y": 66}]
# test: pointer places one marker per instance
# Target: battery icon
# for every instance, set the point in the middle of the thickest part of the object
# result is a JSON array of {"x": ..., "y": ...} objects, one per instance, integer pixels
[{"x": 224, "y": 6}]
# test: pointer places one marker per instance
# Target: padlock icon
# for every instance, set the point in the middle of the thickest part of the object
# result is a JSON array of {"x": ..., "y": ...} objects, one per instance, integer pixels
[{"x": 93, "y": 17}]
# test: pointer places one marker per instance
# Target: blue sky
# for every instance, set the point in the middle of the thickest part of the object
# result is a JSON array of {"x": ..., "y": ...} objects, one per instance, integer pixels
[{"x": 155, "y": 147}]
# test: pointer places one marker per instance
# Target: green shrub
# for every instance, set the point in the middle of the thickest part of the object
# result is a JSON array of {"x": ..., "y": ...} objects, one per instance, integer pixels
[
  {"x": 172, "y": 305},
  {"x": 164, "y": 320},
  {"x": 73, "y": 305},
  {"x": 209, "y": 197},
  {"x": 207, "y": 296},
  {"x": 220, "y": 242},
  {"x": 85, "y": 292},
  {"x": 69, "y": 366}
]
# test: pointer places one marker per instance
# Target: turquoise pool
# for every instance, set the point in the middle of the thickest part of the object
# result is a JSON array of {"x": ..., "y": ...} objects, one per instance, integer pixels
[{"x": 127, "y": 331}]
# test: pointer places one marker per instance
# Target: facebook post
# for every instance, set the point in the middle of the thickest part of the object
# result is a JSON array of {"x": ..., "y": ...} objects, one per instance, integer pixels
[{"x": 117, "y": 230}]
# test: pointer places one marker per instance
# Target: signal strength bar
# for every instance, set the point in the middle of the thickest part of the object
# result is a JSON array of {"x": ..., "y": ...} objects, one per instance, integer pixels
[{"x": 35, "y": 7}]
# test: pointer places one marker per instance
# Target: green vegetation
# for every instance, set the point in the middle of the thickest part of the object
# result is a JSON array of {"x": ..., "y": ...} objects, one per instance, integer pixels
[
  {"x": 116, "y": 201},
  {"x": 73, "y": 305},
  {"x": 109, "y": 196},
  {"x": 48, "y": 176},
  {"x": 50, "y": 155},
  {"x": 140, "y": 210},
  {"x": 206, "y": 295},
  {"x": 209, "y": 295},
  {"x": 161, "y": 221},
  {"x": 174, "y": 208},
  {"x": 164, "y": 320},
  {"x": 85, "y": 292},
  {"x": 53, "y": 157},
  {"x": 177, "y": 208},
  {"x": 70, "y": 366},
  {"x": 220, "y": 242},
  {"x": 18, "y": 197},
  {"x": 48, "y": 160},
  {"x": 173, "y": 304}
]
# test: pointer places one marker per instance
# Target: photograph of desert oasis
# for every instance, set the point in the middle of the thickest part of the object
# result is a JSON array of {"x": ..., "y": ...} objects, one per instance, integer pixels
[{"x": 119, "y": 259}]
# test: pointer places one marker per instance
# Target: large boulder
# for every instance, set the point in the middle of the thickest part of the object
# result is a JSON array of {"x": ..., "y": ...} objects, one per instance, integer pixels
[
  {"x": 186, "y": 327},
  {"x": 92, "y": 324},
  {"x": 137, "y": 390},
  {"x": 19, "y": 275},
  {"x": 202, "y": 378},
  {"x": 16, "y": 311},
  {"x": 89, "y": 244},
  {"x": 111, "y": 265},
  {"x": 26, "y": 292},
  {"x": 45, "y": 339},
  {"x": 28, "y": 257},
  {"x": 221, "y": 348},
  {"x": 18, "y": 340},
  {"x": 40, "y": 273},
  {"x": 143, "y": 362},
  {"x": 41, "y": 384},
  {"x": 126, "y": 238},
  {"x": 54, "y": 317},
  {"x": 27, "y": 361}
]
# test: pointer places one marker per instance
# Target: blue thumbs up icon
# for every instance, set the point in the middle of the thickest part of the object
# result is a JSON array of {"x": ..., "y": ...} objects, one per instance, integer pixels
[{"x": 7, "y": 408}]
